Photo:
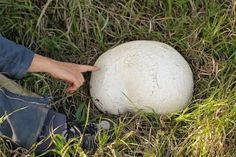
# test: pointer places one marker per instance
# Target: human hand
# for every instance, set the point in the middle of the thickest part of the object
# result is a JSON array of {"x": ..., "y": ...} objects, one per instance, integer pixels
[{"x": 68, "y": 72}]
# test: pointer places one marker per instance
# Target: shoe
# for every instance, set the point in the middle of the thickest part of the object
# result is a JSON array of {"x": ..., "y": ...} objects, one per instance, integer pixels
[{"x": 89, "y": 134}]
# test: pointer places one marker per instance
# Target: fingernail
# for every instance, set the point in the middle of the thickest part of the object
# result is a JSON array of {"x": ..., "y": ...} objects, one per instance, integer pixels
[{"x": 98, "y": 68}]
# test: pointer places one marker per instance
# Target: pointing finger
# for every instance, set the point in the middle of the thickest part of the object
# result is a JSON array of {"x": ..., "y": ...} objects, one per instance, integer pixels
[{"x": 85, "y": 68}]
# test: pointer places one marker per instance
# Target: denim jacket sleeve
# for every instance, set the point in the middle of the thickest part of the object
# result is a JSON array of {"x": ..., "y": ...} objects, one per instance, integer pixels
[{"x": 14, "y": 59}]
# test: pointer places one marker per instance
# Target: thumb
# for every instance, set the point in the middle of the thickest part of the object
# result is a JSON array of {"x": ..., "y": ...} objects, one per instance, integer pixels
[{"x": 85, "y": 68}]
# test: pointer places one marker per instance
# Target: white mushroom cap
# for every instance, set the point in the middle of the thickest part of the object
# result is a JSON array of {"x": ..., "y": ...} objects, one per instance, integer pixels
[{"x": 146, "y": 75}]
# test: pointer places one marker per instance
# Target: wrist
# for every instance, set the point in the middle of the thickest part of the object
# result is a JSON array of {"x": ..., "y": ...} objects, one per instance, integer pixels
[{"x": 41, "y": 64}]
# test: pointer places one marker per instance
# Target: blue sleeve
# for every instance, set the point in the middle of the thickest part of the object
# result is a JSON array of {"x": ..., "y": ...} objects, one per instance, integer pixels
[{"x": 14, "y": 59}]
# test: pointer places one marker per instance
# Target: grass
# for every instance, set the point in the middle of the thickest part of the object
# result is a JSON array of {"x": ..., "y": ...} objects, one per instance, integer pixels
[{"x": 80, "y": 30}]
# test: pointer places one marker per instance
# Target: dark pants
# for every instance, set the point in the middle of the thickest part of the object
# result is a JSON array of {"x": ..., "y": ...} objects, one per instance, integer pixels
[{"x": 26, "y": 118}]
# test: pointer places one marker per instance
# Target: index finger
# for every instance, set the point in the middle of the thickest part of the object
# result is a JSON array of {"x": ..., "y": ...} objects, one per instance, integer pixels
[{"x": 86, "y": 68}]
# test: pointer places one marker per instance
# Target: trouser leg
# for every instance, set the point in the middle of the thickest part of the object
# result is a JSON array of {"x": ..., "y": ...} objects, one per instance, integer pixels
[
  {"x": 22, "y": 113},
  {"x": 52, "y": 121},
  {"x": 55, "y": 123}
]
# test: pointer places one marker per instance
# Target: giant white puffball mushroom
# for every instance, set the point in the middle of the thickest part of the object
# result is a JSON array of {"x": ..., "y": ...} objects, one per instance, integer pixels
[{"x": 141, "y": 75}]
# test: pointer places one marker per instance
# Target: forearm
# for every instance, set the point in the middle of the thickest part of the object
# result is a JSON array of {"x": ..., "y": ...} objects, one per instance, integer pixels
[{"x": 41, "y": 64}]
